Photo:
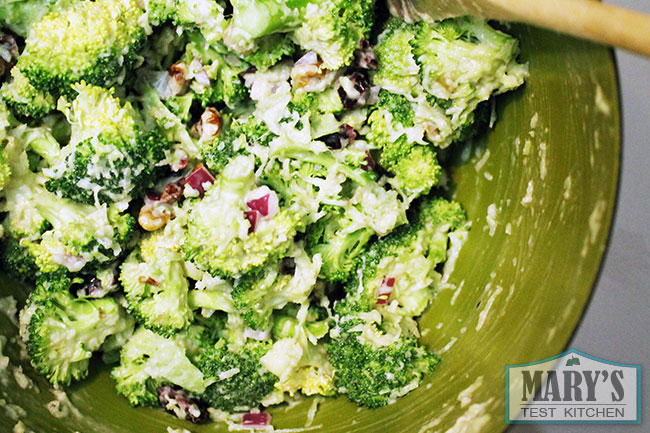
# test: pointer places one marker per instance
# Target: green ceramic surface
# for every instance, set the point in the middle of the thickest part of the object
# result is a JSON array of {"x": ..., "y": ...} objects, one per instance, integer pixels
[{"x": 546, "y": 176}]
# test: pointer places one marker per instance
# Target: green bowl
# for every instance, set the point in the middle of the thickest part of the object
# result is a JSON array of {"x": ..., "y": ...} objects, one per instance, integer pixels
[{"x": 540, "y": 190}]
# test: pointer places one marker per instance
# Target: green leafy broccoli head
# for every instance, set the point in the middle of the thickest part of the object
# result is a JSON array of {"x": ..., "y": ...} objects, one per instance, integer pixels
[
  {"x": 103, "y": 43},
  {"x": 18, "y": 16},
  {"x": 24, "y": 100},
  {"x": 333, "y": 29},
  {"x": 149, "y": 360},
  {"x": 5, "y": 169},
  {"x": 234, "y": 141},
  {"x": 338, "y": 243},
  {"x": 243, "y": 240},
  {"x": 240, "y": 381},
  {"x": 205, "y": 15},
  {"x": 374, "y": 372},
  {"x": 413, "y": 164},
  {"x": 401, "y": 266},
  {"x": 398, "y": 71},
  {"x": 156, "y": 289},
  {"x": 111, "y": 157},
  {"x": 270, "y": 50},
  {"x": 61, "y": 332},
  {"x": 258, "y": 293}
]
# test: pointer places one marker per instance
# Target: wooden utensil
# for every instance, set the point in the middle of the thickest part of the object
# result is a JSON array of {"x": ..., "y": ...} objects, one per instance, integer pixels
[{"x": 607, "y": 24}]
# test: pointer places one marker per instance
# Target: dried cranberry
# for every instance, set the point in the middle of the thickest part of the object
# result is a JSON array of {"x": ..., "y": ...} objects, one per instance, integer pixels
[
  {"x": 341, "y": 139},
  {"x": 365, "y": 57},
  {"x": 354, "y": 90},
  {"x": 369, "y": 164}
]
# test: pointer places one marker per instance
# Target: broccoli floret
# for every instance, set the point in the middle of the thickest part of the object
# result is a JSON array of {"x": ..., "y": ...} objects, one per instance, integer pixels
[
  {"x": 24, "y": 100},
  {"x": 374, "y": 367},
  {"x": 271, "y": 49},
  {"x": 174, "y": 129},
  {"x": 240, "y": 381},
  {"x": 156, "y": 289},
  {"x": 206, "y": 15},
  {"x": 257, "y": 293},
  {"x": 404, "y": 262},
  {"x": 222, "y": 70},
  {"x": 338, "y": 246},
  {"x": 17, "y": 260},
  {"x": 446, "y": 69},
  {"x": 98, "y": 52},
  {"x": 59, "y": 232},
  {"x": 333, "y": 29},
  {"x": 398, "y": 72},
  {"x": 414, "y": 166},
  {"x": 234, "y": 141},
  {"x": 149, "y": 360},
  {"x": 300, "y": 363},
  {"x": 235, "y": 246},
  {"x": 111, "y": 157},
  {"x": 19, "y": 15},
  {"x": 477, "y": 121},
  {"x": 61, "y": 332}
]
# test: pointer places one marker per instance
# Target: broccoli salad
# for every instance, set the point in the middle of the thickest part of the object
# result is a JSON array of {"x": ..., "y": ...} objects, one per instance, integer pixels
[{"x": 235, "y": 203}]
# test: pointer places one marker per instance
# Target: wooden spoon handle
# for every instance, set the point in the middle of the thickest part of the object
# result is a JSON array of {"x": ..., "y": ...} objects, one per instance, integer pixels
[{"x": 587, "y": 19}]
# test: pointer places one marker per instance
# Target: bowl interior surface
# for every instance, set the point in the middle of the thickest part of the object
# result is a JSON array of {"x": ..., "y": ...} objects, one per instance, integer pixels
[{"x": 540, "y": 190}]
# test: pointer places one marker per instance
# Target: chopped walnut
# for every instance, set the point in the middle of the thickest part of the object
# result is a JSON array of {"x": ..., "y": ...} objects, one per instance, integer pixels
[
  {"x": 208, "y": 127},
  {"x": 308, "y": 73},
  {"x": 8, "y": 53},
  {"x": 155, "y": 215},
  {"x": 178, "y": 74}
]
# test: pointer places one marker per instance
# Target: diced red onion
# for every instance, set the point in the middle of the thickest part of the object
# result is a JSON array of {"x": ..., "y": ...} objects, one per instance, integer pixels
[
  {"x": 260, "y": 419},
  {"x": 263, "y": 200},
  {"x": 385, "y": 290},
  {"x": 198, "y": 179},
  {"x": 308, "y": 59},
  {"x": 369, "y": 164},
  {"x": 153, "y": 195},
  {"x": 252, "y": 216},
  {"x": 181, "y": 164}
]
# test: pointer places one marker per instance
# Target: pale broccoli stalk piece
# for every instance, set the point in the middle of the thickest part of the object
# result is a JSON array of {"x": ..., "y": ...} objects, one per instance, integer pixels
[
  {"x": 401, "y": 267},
  {"x": 258, "y": 293},
  {"x": 19, "y": 15},
  {"x": 253, "y": 19},
  {"x": 156, "y": 288},
  {"x": 211, "y": 294},
  {"x": 112, "y": 157},
  {"x": 149, "y": 360},
  {"x": 40, "y": 141},
  {"x": 62, "y": 332},
  {"x": 240, "y": 381},
  {"x": 5, "y": 164},
  {"x": 414, "y": 165},
  {"x": 297, "y": 358},
  {"x": 375, "y": 362},
  {"x": 235, "y": 245},
  {"x": 98, "y": 52},
  {"x": 24, "y": 100}
]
